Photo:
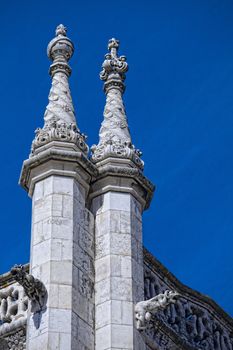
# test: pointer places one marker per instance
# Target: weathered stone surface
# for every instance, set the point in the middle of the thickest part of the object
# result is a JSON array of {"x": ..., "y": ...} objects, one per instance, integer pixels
[{"x": 116, "y": 266}]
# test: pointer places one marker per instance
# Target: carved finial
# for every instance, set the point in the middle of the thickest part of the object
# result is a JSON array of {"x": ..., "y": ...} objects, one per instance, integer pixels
[
  {"x": 60, "y": 50},
  {"x": 61, "y": 30},
  {"x": 114, "y": 68}
]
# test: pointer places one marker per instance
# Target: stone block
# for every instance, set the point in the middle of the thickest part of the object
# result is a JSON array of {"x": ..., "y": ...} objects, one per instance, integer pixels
[
  {"x": 60, "y": 320},
  {"x": 121, "y": 288},
  {"x": 126, "y": 267},
  {"x": 38, "y": 191},
  {"x": 65, "y": 341},
  {"x": 41, "y": 253},
  {"x": 102, "y": 268},
  {"x": 102, "y": 247},
  {"x": 83, "y": 261},
  {"x": 116, "y": 201},
  {"x": 116, "y": 311},
  {"x": 127, "y": 313},
  {"x": 103, "y": 338},
  {"x": 103, "y": 314},
  {"x": 102, "y": 291},
  {"x": 122, "y": 336},
  {"x": 67, "y": 207},
  {"x": 63, "y": 185},
  {"x": 61, "y": 272},
  {"x": 120, "y": 244},
  {"x": 48, "y": 186}
]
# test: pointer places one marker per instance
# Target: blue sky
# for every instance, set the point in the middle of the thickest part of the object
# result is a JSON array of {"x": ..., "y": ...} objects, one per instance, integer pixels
[{"x": 179, "y": 103}]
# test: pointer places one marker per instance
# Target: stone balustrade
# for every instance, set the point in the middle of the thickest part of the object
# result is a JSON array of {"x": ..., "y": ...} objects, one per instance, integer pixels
[
  {"x": 193, "y": 322},
  {"x": 13, "y": 313}
]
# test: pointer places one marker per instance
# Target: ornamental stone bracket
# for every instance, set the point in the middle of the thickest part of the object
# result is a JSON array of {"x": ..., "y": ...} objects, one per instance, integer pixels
[
  {"x": 33, "y": 287},
  {"x": 145, "y": 309}
]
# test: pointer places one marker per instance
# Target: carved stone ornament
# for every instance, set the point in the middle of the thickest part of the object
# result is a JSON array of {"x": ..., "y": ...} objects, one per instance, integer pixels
[
  {"x": 15, "y": 341},
  {"x": 55, "y": 131},
  {"x": 194, "y": 322},
  {"x": 145, "y": 309},
  {"x": 114, "y": 136},
  {"x": 59, "y": 118},
  {"x": 34, "y": 288}
]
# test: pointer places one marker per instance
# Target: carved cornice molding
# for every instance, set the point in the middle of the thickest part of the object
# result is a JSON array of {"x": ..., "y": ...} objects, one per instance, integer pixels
[
  {"x": 52, "y": 155},
  {"x": 137, "y": 183}
]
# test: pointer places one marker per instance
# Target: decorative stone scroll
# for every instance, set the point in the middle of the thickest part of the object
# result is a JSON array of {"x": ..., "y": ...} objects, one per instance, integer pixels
[
  {"x": 59, "y": 118},
  {"x": 145, "y": 309},
  {"x": 114, "y": 136},
  {"x": 194, "y": 322},
  {"x": 34, "y": 288}
]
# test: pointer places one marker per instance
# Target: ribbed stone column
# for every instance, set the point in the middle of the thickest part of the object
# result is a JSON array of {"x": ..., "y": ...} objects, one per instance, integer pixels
[
  {"x": 57, "y": 177},
  {"x": 119, "y": 195}
]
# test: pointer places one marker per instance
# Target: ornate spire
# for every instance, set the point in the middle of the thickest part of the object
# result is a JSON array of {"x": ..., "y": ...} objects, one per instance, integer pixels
[
  {"x": 59, "y": 118},
  {"x": 114, "y": 136}
]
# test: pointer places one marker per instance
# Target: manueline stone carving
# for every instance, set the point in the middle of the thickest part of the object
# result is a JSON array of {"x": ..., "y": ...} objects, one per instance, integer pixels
[
  {"x": 145, "y": 309},
  {"x": 114, "y": 136},
  {"x": 34, "y": 288},
  {"x": 59, "y": 118},
  {"x": 191, "y": 322},
  {"x": 13, "y": 309},
  {"x": 16, "y": 341}
]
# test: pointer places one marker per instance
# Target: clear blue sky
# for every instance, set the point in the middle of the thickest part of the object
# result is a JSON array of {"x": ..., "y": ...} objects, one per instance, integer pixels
[{"x": 179, "y": 102}]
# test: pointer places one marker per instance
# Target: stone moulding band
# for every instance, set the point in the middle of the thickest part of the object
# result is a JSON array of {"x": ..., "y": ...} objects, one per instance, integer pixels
[{"x": 59, "y": 155}]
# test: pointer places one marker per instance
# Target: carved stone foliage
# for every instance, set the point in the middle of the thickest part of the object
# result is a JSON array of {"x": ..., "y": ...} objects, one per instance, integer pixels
[
  {"x": 56, "y": 131},
  {"x": 191, "y": 319},
  {"x": 34, "y": 288},
  {"x": 13, "y": 308}
]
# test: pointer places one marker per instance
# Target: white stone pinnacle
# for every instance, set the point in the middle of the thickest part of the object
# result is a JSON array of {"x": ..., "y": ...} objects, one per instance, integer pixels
[
  {"x": 59, "y": 119},
  {"x": 114, "y": 136}
]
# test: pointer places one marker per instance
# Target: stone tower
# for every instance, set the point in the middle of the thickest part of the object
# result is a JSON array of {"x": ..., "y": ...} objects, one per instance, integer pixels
[
  {"x": 86, "y": 245},
  {"x": 90, "y": 284}
]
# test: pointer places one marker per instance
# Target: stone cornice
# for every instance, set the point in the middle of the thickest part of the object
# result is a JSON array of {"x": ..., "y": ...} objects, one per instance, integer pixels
[
  {"x": 131, "y": 179},
  {"x": 58, "y": 156}
]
